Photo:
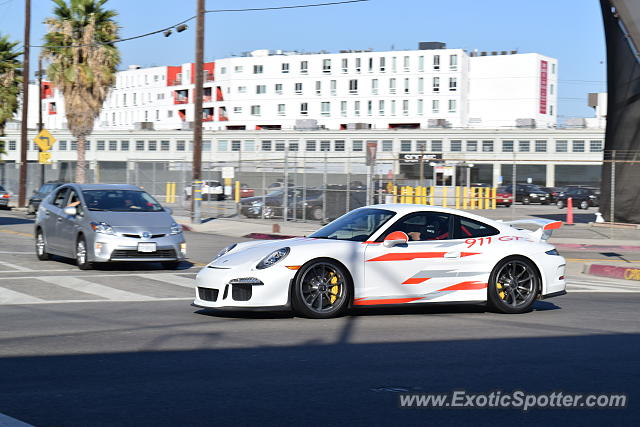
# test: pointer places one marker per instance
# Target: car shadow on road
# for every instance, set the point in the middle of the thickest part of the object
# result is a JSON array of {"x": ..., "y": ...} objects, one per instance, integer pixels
[{"x": 125, "y": 266}]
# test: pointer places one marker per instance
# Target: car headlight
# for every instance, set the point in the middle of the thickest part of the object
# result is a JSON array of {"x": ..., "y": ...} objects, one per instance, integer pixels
[
  {"x": 225, "y": 251},
  {"x": 533, "y": 195},
  {"x": 553, "y": 252},
  {"x": 273, "y": 258},
  {"x": 102, "y": 227},
  {"x": 176, "y": 228}
]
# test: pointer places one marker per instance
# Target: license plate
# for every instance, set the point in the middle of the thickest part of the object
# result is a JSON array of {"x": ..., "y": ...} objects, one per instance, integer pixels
[
  {"x": 146, "y": 247},
  {"x": 542, "y": 198}
]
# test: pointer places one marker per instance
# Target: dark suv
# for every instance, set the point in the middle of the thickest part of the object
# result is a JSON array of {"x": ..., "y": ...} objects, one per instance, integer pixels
[
  {"x": 581, "y": 197},
  {"x": 40, "y": 194},
  {"x": 529, "y": 193}
]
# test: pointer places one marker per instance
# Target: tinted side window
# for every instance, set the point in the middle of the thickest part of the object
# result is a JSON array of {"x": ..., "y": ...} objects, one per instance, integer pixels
[
  {"x": 423, "y": 226},
  {"x": 60, "y": 197},
  {"x": 467, "y": 228}
]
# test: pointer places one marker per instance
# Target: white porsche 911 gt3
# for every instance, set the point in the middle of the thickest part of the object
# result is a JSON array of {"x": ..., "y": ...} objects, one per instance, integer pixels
[{"x": 390, "y": 254}]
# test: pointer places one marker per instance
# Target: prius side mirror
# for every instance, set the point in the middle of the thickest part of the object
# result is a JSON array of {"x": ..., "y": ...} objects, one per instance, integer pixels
[
  {"x": 396, "y": 238},
  {"x": 71, "y": 211}
]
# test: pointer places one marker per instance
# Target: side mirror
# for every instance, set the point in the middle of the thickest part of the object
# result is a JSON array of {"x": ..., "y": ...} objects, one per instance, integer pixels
[
  {"x": 395, "y": 238},
  {"x": 71, "y": 211},
  {"x": 169, "y": 211}
]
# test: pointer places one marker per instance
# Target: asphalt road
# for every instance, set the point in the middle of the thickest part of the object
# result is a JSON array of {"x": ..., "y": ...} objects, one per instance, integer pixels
[{"x": 123, "y": 346}]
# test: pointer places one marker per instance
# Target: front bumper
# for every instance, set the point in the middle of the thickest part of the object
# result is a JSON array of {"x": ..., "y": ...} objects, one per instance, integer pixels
[
  {"x": 4, "y": 202},
  {"x": 218, "y": 287},
  {"x": 106, "y": 248}
]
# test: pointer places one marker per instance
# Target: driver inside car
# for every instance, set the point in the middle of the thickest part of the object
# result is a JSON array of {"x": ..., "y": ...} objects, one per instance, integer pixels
[{"x": 435, "y": 229}]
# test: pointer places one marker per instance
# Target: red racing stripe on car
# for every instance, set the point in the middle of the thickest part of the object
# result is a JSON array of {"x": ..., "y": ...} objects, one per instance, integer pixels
[
  {"x": 407, "y": 256},
  {"x": 370, "y": 242},
  {"x": 364, "y": 301},
  {"x": 464, "y": 254},
  {"x": 415, "y": 280},
  {"x": 466, "y": 286},
  {"x": 553, "y": 225}
]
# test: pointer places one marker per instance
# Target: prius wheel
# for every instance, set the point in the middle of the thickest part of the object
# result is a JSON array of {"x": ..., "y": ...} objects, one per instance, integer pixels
[
  {"x": 81, "y": 255},
  {"x": 41, "y": 247},
  {"x": 321, "y": 290},
  {"x": 513, "y": 285}
]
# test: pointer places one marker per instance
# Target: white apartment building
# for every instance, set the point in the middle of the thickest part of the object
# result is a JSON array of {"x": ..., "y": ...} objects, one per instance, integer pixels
[{"x": 431, "y": 87}]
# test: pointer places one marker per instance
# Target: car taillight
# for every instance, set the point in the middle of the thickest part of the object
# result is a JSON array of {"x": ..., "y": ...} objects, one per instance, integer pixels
[{"x": 5, "y": 196}]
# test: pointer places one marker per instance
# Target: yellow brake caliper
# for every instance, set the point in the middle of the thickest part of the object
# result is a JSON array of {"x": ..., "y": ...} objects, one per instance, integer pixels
[
  {"x": 335, "y": 288},
  {"x": 500, "y": 291}
]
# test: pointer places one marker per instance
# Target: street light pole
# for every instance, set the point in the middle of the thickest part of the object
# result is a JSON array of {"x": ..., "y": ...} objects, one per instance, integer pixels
[
  {"x": 197, "y": 120},
  {"x": 22, "y": 187}
]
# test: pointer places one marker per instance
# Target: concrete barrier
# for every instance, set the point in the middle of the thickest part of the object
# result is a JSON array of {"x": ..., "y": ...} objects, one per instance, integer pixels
[{"x": 614, "y": 272}]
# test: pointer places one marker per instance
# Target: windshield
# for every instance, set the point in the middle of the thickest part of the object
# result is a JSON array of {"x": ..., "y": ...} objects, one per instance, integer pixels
[
  {"x": 2, "y": 188},
  {"x": 48, "y": 188},
  {"x": 357, "y": 225},
  {"x": 120, "y": 201}
]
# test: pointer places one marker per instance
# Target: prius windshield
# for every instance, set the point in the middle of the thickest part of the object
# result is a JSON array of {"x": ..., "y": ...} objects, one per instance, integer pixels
[
  {"x": 120, "y": 201},
  {"x": 357, "y": 225}
]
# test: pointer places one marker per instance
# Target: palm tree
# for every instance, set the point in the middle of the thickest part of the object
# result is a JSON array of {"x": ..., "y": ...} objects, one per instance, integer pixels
[
  {"x": 82, "y": 63},
  {"x": 10, "y": 80}
]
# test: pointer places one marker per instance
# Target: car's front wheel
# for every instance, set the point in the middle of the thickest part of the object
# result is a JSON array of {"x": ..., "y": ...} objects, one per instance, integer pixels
[
  {"x": 584, "y": 204},
  {"x": 81, "y": 254},
  {"x": 321, "y": 290},
  {"x": 526, "y": 200},
  {"x": 316, "y": 214},
  {"x": 560, "y": 204},
  {"x": 41, "y": 247},
  {"x": 513, "y": 285}
]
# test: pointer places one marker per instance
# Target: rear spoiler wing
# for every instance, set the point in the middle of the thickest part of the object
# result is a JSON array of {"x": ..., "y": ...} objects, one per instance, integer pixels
[{"x": 546, "y": 226}]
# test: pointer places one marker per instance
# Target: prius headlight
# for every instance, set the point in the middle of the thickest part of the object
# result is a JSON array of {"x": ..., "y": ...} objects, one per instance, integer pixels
[
  {"x": 102, "y": 227},
  {"x": 176, "y": 228},
  {"x": 225, "y": 251},
  {"x": 273, "y": 258}
]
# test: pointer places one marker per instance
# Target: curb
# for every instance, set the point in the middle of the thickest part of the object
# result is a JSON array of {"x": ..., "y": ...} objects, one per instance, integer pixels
[
  {"x": 613, "y": 271},
  {"x": 596, "y": 247}
]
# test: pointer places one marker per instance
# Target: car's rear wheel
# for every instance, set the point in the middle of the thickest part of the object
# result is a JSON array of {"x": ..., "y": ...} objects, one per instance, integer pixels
[
  {"x": 81, "y": 254},
  {"x": 322, "y": 290},
  {"x": 584, "y": 204},
  {"x": 41, "y": 246},
  {"x": 316, "y": 214},
  {"x": 526, "y": 200},
  {"x": 31, "y": 210},
  {"x": 560, "y": 204},
  {"x": 268, "y": 212},
  {"x": 513, "y": 285}
]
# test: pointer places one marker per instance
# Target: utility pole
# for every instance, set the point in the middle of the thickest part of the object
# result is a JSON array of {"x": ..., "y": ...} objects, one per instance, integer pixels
[
  {"x": 196, "y": 196},
  {"x": 22, "y": 187},
  {"x": 40, "y": 124}
]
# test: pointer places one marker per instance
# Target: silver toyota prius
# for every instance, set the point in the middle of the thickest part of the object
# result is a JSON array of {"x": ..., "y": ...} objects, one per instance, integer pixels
[{"x": 95, "y": 223}]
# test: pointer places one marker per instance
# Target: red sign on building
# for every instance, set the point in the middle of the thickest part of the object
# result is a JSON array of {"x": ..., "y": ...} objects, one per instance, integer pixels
[{"x": 544, "y": 70}]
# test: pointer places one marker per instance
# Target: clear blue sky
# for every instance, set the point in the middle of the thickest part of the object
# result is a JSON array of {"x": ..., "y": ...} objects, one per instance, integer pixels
[{"x": 570, "y": 30}]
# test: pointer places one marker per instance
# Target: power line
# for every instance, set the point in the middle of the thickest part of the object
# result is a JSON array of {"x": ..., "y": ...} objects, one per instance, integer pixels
[{"x": 151, "y": 33}]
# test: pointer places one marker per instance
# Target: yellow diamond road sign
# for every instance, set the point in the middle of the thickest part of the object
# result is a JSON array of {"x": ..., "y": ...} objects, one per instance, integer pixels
[{"x": 45, "y": 140}]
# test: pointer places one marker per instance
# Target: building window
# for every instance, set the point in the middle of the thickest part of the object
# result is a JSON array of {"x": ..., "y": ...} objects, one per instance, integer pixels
[
  {"x": 310, "y": 145},
  {"x": 139, "y": 145},
  {"x": 393, "y": 107},
  {"x": 124, "y": 145},
  {"x": 343, "y": 108},
  {"x": 452, "y": 105},
  {"x": 394, "y": 64},
  {"x": 255, "y": 110},
  {"x": 523, "y": 146},
  {"x": 260, "y": 89},
  {"x": 266, "y": 145},
  {"x": 356, "y": 108},
  {"x": 298, "y": 88},
  {"x": 242, "y": 89},
  {"x": 12, "y": 145},
  {"x": 405, "y": 107},
  {"x": 165, "y": 145},
  {"x": 257, "y": 69},
  {"x": 578, "y": 146},
  {"x": 326, "y": 65},
  {"x": 421, "y": 63},
  {"x": 421, "y": 146},
  {"x": 206, "y": 145},
  {"x": 353, "y": 86},
  {"x": 338, "y": 145},
  {"x": 285, "y": 67},
  {"x": 381, "y": 107},
  {"x": 280, "y": 145},
  {"x": 541, "y": 146},
  {"x": 436, "y": 146},
  {"x": 387, "y": 145},
  {"x": 237, "y": 110},
  {"x": 595, "y": 146},
  {"x": 325, "y": 145},
  {"x": 436, "y": 84},
  {"x": 406, "y": 145},
  {"x": 278, "y": 88},
  {"x": 87, "y": 145},
  {"x": 436, "y": 62},
  {"x": 152, "y": 146},
  {"x": 318, "y": 87},
  {"x": 435, "y": 106},
  {"x": 453, "y": 84},
  {"x": 180, "y": 145},
  {"x": 421, "y": 85},
  {"x": 420, "y": 107},
  {"x": 453, "y": 62},
  {"x": 333, "y": 87},
  {"x": 562, "y": 146},
  {"x": 374, "y": 86},
  {"x": 62, "y": 146},
  {"x": 100, "y": 145},
  {"x": 507, "y": 146},
  {"x": 304, "y": 108},
  {"x": 237, "y": 69},
  {"x": 113, "y": 145},
  {"x": 392, "y": 85},
  {"x": 358, "y": 65},
  {"x": 345, "y": 65},
  {"x": 406, "y": 85},
  {"x": 456, "y": 145},
  {"x": 293, "y": 145},
  {"x": 405, "y": 63},
  {"x": 383, "y": 64},
  {"x": 472, "y": 146},
  {"x": 487, "y": 146},
  {"x": 249, "y": 145},
  {"x": 325, "y": 108},
  {"x": 370, "y": 65},
  {"x": 304, "y": 67},
  {"x": 169, "y": 114},
  {"x": 357, "y": 145},
  {"x": 369, "y": 108},
  {"x": 281, "y": 109}
]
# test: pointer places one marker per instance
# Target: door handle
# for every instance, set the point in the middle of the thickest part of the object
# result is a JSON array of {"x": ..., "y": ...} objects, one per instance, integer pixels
[{"x": 452, "y": 255}]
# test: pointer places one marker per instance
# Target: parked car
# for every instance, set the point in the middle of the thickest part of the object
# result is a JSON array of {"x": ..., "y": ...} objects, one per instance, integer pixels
[
  {"x": 40, "y": 194},
  {"x": 581, "y": 197},
  {"x": 311, "y": 206},
  {"x": 5, "y": 196},
  {"x": 273, "y": 203},
  {"x": 211, "y": 190},
  {"x": 503, "y": 197},
  {"x": 103, "y": 223},
  {"x": 245, "y": 191},
  {"x": 529, "y": 193}
]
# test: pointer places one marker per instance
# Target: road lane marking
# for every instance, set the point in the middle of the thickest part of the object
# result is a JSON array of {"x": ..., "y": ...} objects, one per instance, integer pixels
[
  {"x": 32, "y": 271},
  {"x": 87, "y": 287},
  {"x": 16, "y": 253},
  {"x": 75, "y": 301},
  {"x": 602, "y": 259},
  {"x": 172, "y": 279},
  {"x": 80, "y": 274},
  {"x": 7, "y": 296},
  {"x": 14, "y": 266},
  {"x": 17, "y": 233}
]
